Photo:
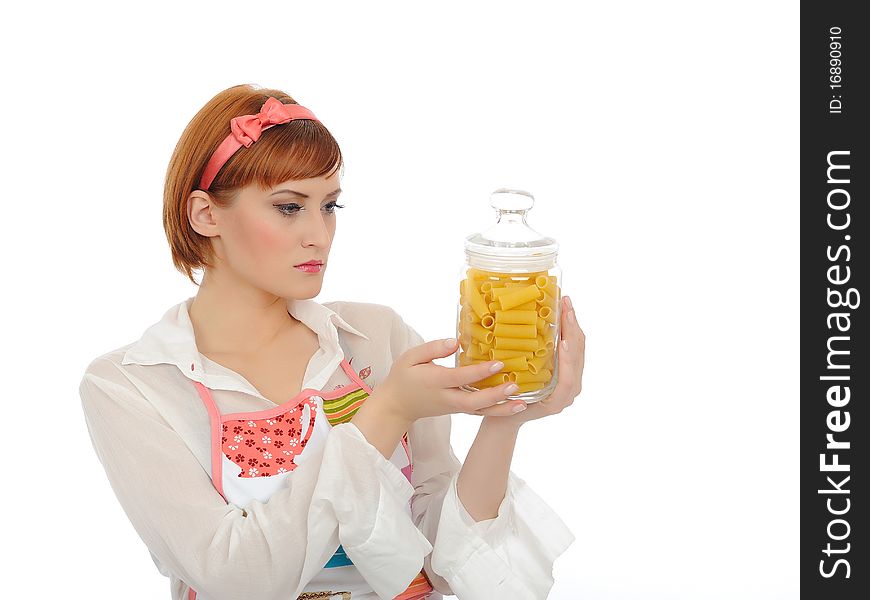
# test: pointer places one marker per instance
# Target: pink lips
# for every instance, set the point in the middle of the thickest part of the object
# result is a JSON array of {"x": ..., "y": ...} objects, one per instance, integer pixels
[{"x": 310, "y": 267}]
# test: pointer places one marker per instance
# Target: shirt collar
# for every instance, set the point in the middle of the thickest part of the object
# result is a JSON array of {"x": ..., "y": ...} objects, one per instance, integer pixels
[{"x": 171, "y": 340}]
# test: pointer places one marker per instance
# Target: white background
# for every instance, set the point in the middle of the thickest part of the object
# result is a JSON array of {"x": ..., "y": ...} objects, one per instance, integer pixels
[{"x": 660, "y": 140}]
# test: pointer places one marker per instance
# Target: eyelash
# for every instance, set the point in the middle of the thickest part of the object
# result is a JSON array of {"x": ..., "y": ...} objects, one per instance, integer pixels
[{"x": 333, "y": 205}]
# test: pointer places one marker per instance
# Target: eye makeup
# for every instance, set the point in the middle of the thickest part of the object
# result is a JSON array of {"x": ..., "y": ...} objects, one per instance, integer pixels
[{"x": 289, "y": 210}]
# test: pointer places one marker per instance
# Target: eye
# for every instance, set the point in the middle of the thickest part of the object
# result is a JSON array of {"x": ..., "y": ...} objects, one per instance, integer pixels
[{"x": 289, "y": 210}]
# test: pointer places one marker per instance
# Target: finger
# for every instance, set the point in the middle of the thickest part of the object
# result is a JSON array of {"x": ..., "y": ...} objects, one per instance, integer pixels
[
  {"x": 572, "y": 350},
  {"x": 573, "y": 338},
  {"x": 471, "y": 374},
  {"x": 570, "y": 327},
  {"x": 580, "y": 342},
  {"x": 469, "y": 402},
  {"x": 429, "y": 351},
  {"x": 506, "y": 409}
]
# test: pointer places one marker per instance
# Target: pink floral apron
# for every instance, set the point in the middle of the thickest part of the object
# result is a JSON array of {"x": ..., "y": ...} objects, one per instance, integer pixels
[{"x": 253, "y": 452}]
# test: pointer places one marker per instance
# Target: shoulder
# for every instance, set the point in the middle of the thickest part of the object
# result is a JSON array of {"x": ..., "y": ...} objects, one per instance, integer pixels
[
  {"x": 374, "y": 320},
  {"x": 107, "y": 380},
  {"x": 359, "y": 310},
  {"x": 381, "y": 323},
  {"x": 108, "y": 363}
]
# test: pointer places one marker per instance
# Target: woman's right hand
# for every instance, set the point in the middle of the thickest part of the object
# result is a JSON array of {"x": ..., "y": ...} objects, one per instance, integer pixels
[{"x": 416, "y": 387}]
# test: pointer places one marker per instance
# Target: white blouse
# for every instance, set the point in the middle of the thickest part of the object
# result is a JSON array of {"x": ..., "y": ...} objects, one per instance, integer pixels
[{"x": 337, "y": 515}]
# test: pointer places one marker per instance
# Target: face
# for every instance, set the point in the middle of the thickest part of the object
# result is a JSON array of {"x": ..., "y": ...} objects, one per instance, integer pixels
[{"x": 266, "y": 234}]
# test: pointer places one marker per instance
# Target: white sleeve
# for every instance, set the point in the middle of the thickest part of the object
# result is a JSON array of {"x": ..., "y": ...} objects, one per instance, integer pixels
[
  {"x": 508, "y": 557},
  {"x": 353, "y": 497},
  {"x": 374, "y": 528}
]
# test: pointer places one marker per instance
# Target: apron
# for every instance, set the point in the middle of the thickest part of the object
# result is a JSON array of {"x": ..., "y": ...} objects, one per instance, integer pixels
[{"x": 252, "y": 453}]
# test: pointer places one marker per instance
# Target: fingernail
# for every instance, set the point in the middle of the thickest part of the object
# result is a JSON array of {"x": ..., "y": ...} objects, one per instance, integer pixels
[
  {"x": 496, "y": 367},
  {"x": 450, "y": 342},
  {"x": 518, "y": 408},
  {"x": 572, "y": 317},
  {"x": 568, "y": 300},
  {"x": 512, "y": 388}
]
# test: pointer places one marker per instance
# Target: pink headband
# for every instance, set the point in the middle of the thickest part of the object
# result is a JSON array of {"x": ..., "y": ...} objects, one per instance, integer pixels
[{"x": 247, "y": 129}]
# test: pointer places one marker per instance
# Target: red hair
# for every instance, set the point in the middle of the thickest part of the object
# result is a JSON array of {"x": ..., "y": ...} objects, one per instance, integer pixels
[{"x": 300, "y": 149}]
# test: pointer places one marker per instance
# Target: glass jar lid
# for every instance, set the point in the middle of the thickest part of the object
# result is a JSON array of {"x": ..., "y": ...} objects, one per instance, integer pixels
[{"x": 510, "y": 244}]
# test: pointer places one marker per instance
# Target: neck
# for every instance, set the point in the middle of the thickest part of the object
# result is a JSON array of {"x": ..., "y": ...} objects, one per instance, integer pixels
[{"x": 235, "y": 318}]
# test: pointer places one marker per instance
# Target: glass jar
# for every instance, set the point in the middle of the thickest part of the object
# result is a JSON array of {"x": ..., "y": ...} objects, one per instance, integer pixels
[{"x": 509, "y": 301}]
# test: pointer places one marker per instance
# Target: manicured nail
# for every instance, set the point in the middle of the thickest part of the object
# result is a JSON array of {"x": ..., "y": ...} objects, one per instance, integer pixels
[
  {"x": 518, "y": 408},
  {"x": 568, "y": 300},
  {"x": 512, "y": 388},
  {"x": 496, "y": 367},
  {"x": 450, "y": 342}
]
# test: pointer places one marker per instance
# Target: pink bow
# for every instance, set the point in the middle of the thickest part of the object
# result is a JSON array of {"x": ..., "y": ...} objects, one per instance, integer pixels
[{"x": 247, "y": 129}]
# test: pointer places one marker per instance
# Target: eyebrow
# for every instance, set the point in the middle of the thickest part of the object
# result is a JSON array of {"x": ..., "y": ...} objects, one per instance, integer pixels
[{"x": 301, "y": 195}]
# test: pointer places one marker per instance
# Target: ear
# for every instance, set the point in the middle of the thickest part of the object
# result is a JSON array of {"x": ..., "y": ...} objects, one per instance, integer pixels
[{"x": 200, "y": 213}]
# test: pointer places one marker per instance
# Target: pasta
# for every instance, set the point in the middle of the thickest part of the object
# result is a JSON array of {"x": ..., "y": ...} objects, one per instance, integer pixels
[
  {"x": 509, "y": 317},
  {"x": 492, "y": 380},
  {"x": 477, "y": 302},
  {"x": 529, "y": 377},
  {"x": 525, "y": 317},
  {"x": 517, "y": 331},
  {"x": 518, "y": 296}
]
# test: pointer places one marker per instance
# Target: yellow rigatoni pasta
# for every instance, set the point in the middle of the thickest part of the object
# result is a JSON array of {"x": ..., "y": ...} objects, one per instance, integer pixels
[
  {"x": 532, "y": 305},
  {"x": 523, "y": 317},
  {"x": 465, "y": 339},
  {"x": 537, "y": 364},
  {"x": 530, "y": 387},
  {"x": 517, "y": 363},
  {"x": 509, "y": 317},
  {"x": 519, "y": 296},
  {"x": 548, "y": 314},
  {"x": 475, "y": 354},
  {"x": 548, "y": 284},
  {"x": 471, "y": 317},
  {"x": 545, "y": 299},
  {"x": 502, "y": 291},
  {"x": 502, "y": 353},
  {"x": 528, "y": 376},
  {"x": 481, "y": 333},
  {"x": 477, "y": 302},
  {"x": 509, "y": 343},
  {"x": 487, "y": 286},
  {"x": 491, "y": 381},
  {"x": 516, "y": 331}
]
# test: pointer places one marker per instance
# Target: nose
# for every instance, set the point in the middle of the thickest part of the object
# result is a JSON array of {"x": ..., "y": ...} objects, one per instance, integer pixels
[{"x": 317, "y": 230}]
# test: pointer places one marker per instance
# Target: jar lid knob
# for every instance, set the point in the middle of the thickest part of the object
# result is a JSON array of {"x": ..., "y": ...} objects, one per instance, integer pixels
[{"x": 511, "y": 200}]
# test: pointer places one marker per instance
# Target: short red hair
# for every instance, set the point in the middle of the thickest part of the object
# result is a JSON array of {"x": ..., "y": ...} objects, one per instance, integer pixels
[{"x": 300, "y": 149}]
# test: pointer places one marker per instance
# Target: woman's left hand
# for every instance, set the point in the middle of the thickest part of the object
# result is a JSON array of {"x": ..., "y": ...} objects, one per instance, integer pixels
[{"x": 572, "y": 353}]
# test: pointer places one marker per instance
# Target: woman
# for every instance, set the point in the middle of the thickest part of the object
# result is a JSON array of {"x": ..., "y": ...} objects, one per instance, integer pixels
[{"x": 267, "y": 446}]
